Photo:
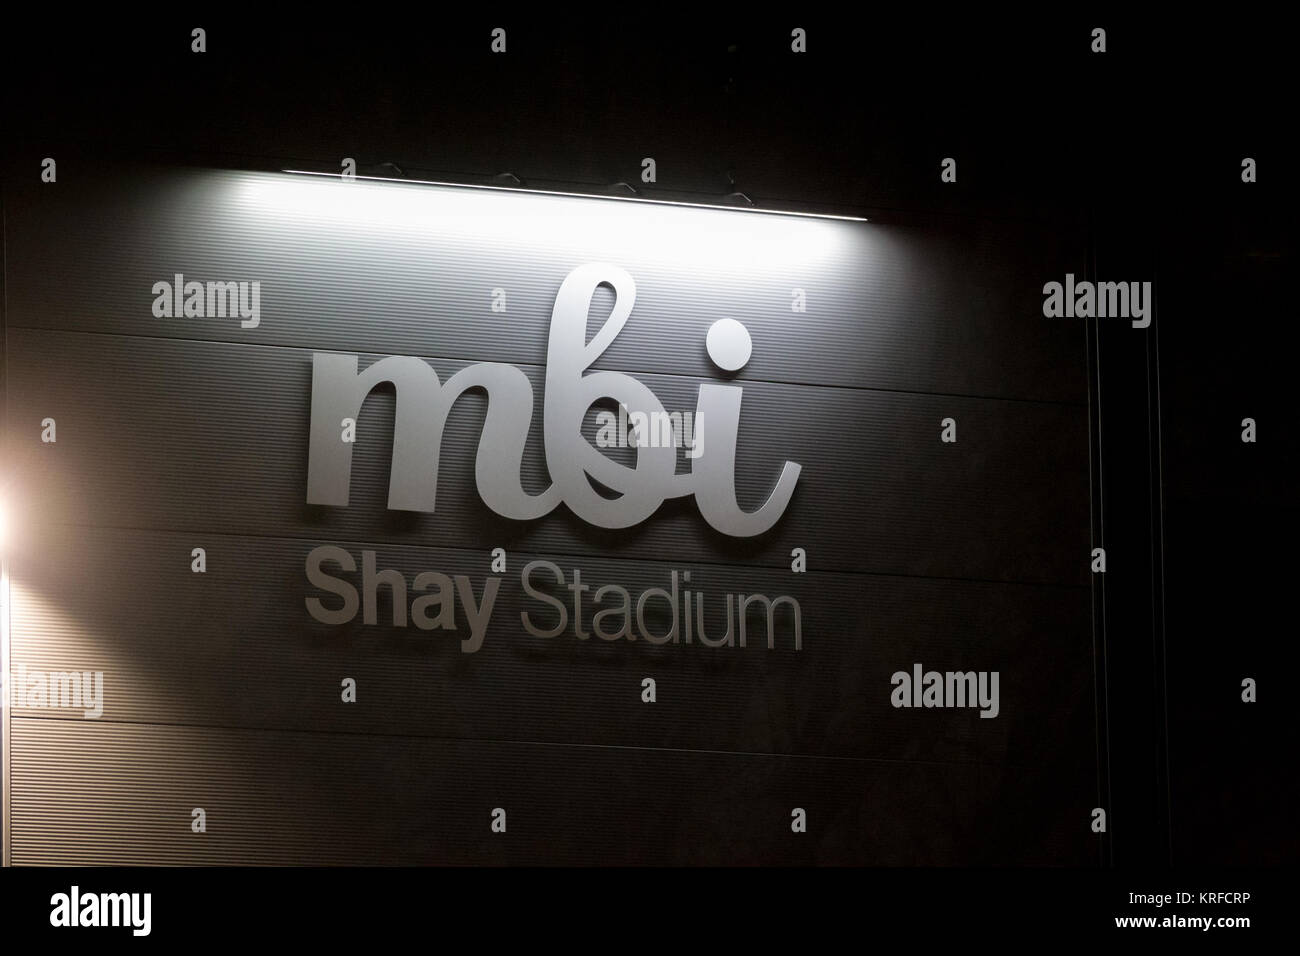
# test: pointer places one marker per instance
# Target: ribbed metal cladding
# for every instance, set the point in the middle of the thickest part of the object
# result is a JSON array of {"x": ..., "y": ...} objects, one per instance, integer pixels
[
  {"x": 213, "y": 437},
  {"x": 230, "y": 647},
  {"x": 222, "y": 693},
  {"x": 410, "y": 270},
  {"x": 122, "y": 794}
]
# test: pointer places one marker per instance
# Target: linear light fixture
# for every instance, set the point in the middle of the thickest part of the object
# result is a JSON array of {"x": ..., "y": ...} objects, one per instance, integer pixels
[{"x": 553, "y": 192}]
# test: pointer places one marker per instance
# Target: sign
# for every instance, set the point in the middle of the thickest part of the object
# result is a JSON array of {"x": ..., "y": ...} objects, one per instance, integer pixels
[{"x": 423, "y": 403}]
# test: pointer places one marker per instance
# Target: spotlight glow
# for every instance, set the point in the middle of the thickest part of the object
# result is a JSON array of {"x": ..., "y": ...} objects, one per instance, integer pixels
[{"x": 410, "y": 220}]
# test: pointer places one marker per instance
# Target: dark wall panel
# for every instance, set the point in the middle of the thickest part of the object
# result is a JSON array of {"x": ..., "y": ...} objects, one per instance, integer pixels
[
  {"x": 236, "y": 647},
  {"x": 123, "y": 794},
  {"x": 222, "y": 692},
  {"x": 166, "y": 434},
  {"x": 410, "y": 270}
]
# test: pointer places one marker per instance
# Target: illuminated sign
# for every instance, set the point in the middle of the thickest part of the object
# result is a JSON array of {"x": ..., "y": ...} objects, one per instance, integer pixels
[{"x": 423, "y": 403}]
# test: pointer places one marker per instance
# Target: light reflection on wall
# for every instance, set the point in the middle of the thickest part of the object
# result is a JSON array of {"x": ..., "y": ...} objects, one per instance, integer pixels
[
  {"x": 100, "y": 777},
  {"x": 671, "y": 235}
]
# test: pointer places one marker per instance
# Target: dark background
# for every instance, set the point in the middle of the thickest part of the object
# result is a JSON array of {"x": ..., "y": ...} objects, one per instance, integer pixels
[{"x": 1142, "y": 145}]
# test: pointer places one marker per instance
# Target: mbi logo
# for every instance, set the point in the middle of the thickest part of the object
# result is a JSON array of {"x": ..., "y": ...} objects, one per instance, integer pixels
[{"x": 423, "y": 403}]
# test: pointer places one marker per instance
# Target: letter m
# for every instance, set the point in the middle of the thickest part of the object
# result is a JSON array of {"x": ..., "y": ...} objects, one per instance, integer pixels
[
  {"x": 121, "y": 908},
  {"x": 962, "y": 688},
  {"x": 65, "y": 689},
  {"x": 338, "y": 391},
  {"x": 1112, "y": 300},
  {"x": 745, "y": 600},
  {"x": 222, "y": 299}
]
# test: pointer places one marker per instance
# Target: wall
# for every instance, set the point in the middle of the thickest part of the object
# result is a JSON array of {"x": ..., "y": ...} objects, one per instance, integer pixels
[{"x": 222, "y": 692}]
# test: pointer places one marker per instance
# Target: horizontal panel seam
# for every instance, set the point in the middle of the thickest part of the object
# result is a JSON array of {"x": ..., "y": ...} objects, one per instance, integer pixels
[
  {"x": 1081, "y": 405},
  {"x": 252, "y": 729},
  {"x": 638, "y": 559}
]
